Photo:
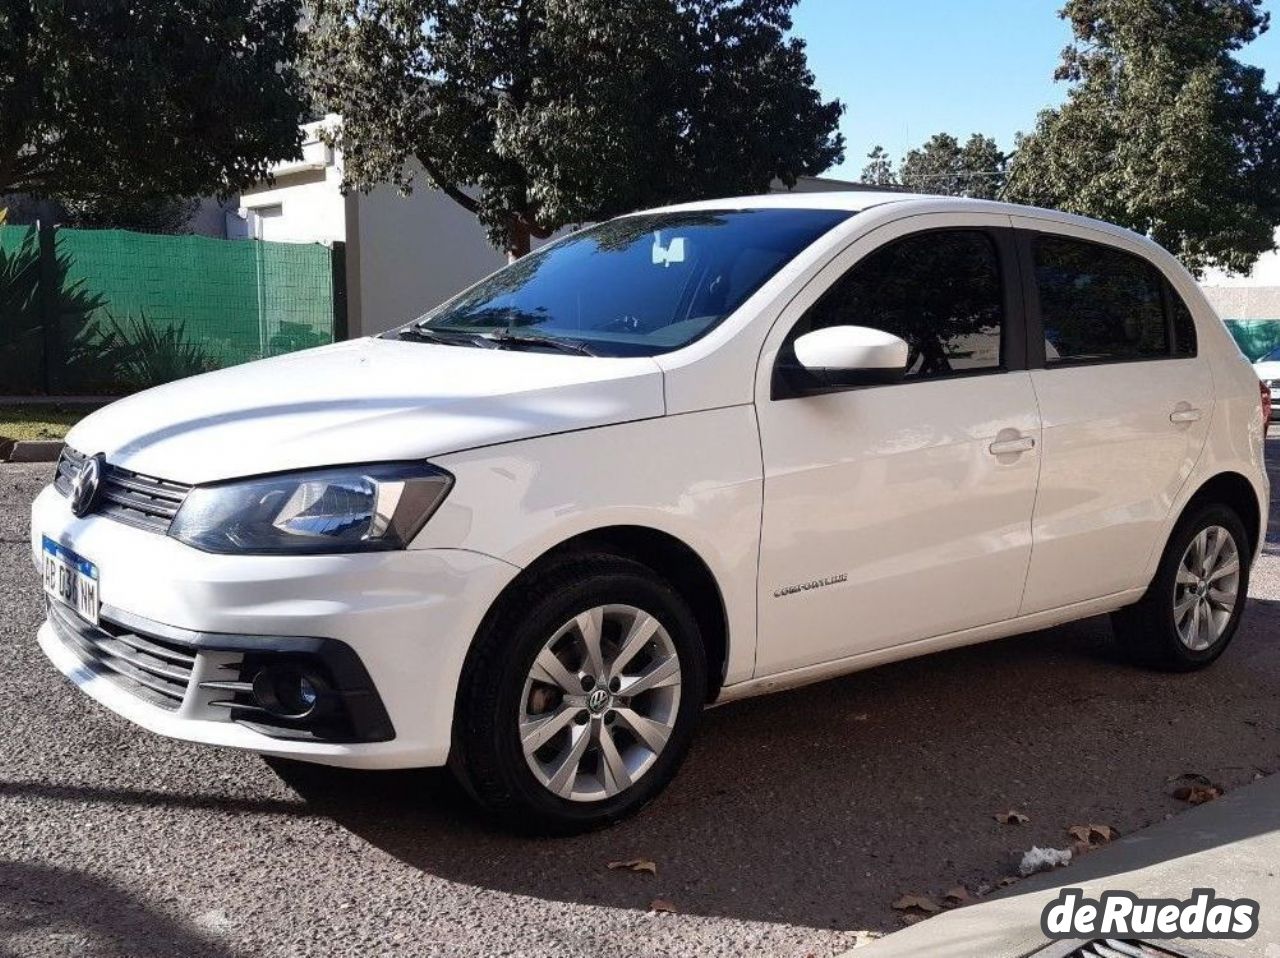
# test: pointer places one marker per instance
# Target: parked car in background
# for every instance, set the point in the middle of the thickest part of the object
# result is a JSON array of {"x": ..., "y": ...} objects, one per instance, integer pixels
[
  {"x": 1268, "y": 370},
  {"x": 682, "y": 457}
]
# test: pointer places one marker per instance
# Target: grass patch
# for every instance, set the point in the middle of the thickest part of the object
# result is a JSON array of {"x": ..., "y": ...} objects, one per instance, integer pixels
[{"x": 39, "y": 422}]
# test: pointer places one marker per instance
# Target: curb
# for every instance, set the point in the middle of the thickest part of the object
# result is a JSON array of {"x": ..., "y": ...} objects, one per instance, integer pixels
[{"x": 30, "y": 450}]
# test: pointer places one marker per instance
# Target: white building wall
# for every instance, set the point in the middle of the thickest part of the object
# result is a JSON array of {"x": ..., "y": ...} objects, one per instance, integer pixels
[
  {"x": 305, "y": 203},
  {"x": 1253, "y": 296}
]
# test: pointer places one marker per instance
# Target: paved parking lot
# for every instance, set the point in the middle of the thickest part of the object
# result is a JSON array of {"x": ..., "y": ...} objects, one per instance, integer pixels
[{"x": 795, "y": 823}]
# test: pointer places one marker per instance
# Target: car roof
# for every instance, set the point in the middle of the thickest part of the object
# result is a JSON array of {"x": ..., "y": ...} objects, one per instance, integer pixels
[
  {"x": 854, "y": 201},
  {"x": 859, "y": 200}
]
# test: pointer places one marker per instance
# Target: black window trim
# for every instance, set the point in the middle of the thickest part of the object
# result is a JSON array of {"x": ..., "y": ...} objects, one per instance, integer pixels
[
  {"x": 1171, "y": 295},
  {"x": 1013, "y": 330},
  {"x": 1036, "y": 358}
]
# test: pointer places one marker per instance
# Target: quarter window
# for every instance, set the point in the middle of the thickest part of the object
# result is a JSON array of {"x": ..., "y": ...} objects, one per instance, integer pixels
[
  {"x": 939, "y": 291},
  {"x": 1098, "y": 304}
]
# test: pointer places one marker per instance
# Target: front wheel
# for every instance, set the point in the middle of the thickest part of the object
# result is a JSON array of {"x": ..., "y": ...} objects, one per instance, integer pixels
[
  {"x": 1192, "y": 609},
  {"x": 580, "y": 696}
]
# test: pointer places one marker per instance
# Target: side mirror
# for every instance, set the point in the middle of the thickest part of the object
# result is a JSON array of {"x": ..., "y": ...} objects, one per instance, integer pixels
[{"x": 839, "y": 357}]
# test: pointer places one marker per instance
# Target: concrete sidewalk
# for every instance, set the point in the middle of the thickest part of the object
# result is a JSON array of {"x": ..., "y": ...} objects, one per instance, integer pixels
[{"x": 1231, "y": 845}]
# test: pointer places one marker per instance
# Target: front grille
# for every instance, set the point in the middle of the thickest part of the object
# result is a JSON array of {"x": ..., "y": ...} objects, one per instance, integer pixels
[
  {"x": 143, "y": 502},
  {"x": 157, "y": 670}
]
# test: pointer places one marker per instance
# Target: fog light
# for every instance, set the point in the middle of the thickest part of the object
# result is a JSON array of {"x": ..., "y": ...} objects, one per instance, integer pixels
[{"x": 289, "y": 693}]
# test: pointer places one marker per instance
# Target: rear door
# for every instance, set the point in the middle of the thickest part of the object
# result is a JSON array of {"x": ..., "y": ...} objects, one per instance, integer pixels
[{"x": 1125, "y": 403}]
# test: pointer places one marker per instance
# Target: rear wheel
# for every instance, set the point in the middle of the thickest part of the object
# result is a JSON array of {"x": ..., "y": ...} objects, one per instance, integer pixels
[
  {"x": 1192, "y": 609},
  {"x": 580, "y": 695}
]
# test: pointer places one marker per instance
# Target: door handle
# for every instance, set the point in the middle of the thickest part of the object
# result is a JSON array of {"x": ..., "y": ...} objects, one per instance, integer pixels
[
  {"x": 1184, "y": 415},
  {"x": 1006, "y": 447}
]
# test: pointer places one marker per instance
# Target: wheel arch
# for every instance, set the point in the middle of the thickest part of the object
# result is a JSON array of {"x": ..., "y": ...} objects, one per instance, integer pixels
[
  {"x": 668, "y": 556},
  {"x": 1234, "y": 490}
]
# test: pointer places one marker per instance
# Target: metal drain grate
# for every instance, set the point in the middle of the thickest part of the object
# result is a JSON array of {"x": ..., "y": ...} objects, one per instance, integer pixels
[{"x": 1115, "y": 948}]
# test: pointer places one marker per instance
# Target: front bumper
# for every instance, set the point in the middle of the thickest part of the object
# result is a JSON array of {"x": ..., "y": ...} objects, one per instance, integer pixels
[{"x": 406, "y": 617}]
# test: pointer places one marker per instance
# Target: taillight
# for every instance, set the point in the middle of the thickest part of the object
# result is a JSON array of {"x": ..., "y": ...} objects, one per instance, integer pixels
[{"x": 1266, "y": 405}]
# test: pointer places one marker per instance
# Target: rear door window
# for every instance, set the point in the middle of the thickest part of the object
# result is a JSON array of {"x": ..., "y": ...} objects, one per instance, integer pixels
[{"x": 1098, "y": 304}]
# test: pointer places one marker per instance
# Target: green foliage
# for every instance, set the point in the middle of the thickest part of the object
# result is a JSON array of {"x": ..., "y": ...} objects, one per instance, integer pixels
[
  {"x": 89, "y": 356},
  {"x": 1163, "y": 130},
  {"x": 943, "y": 166},
  {"x": 163, "y": 97},
  {"x": 140, "y": 213},
  {"x": 157, "y": 355},
  {"x": 879, "y": 168},
  {"x": 535, "y": 114}
]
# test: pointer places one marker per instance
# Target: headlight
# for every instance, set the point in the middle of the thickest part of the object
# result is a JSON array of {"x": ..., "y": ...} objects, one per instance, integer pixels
[{"x": 346, "y": 509}]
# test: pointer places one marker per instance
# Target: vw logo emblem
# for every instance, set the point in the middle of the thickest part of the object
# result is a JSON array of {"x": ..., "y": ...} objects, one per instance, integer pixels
[
  {"x": 598, "y": 699},
  {"x": 85, "y": 485}
]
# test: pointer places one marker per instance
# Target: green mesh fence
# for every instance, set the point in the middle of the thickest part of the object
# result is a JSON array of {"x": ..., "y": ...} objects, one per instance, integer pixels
[
  {"x": 132, "y": 310},
  {"x": 21, "y": 340},
  {"x": 1256, "y": 337}
]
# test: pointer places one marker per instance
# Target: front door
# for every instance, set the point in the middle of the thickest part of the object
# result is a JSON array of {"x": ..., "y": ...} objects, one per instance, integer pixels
[{"x": 899, "y": 512}]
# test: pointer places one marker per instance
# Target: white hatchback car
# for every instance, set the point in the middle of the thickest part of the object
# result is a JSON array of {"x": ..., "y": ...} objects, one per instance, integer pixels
[{"x": 681, "y": 457}]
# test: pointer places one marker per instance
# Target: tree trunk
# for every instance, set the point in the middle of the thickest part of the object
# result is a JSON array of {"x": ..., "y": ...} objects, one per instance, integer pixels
[{"x": 517, "y": 239}]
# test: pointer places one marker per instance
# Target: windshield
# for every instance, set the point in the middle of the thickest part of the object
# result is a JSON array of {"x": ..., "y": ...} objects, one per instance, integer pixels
[{"x": 634, "y": 286}]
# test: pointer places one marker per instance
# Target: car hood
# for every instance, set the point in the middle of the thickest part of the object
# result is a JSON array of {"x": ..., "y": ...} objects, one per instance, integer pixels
[
  {"x": 363, "y": 401},
  {"x": 1268, "y": 370}
]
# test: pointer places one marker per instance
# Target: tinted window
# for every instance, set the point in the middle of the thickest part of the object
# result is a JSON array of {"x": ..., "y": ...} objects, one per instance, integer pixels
[
  {"x": 637, "y": 285},
  {"x": 1184, "y": 325},
  {"x": 1098, "y": 304},
  {"x": 939, "y": 291}
]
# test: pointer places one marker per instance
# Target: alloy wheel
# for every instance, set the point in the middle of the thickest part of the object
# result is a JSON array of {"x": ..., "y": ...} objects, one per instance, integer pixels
[
  {"x": 1206, "y": 588},
  {"x": 600, "y": 703}
]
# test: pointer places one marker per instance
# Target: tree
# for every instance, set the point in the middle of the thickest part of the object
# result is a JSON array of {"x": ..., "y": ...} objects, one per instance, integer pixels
[
  {"x": 943, "y": 166},
  {"x": 111, "y": 98},
  {"x": 144, "y": 214},
  {"x": 534, "y": 114},
  {"x": 879, "y": 168},
  {"x": 1163, "y": 130}
]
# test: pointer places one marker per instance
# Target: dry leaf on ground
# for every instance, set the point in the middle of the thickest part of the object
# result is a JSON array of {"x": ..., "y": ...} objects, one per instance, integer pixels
[
  {"x": 919, "y": 902},
  {"x": 1197, "y": 794},
  {"x": 662, "y": 906},
  {"x": 635, "y": 865},
  {"x": 956, "y": 897},
  {"x": 1012, "y": 817},
  {"x": 1092, "y": 835}
]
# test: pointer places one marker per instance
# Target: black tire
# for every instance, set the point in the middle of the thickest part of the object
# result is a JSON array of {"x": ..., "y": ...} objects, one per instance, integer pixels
[
  {"x": 487, "y": 756},
  {"x": 1146, "y": 631}
]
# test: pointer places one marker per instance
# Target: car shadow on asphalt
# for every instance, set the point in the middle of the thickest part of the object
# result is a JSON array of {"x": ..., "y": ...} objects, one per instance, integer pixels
[
  {"x": 821, "y": 805},
  {"x": 74, "y": 913}
]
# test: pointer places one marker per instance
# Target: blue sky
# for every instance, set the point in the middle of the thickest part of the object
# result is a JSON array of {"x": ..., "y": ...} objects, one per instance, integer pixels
[{"x": 907, "y": 70}]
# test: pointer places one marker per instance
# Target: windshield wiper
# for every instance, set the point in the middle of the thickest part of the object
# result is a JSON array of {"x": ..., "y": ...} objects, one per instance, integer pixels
[
  {"x": 507, "y": 338},
  {"x": 449, "y": 338}
]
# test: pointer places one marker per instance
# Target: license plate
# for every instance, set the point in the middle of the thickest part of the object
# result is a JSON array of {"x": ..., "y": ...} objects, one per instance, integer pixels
[{"x": 71, "y": 579}]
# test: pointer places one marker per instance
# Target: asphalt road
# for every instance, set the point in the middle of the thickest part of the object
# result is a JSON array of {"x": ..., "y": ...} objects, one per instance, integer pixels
[{"x": 795, "y": 823}]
